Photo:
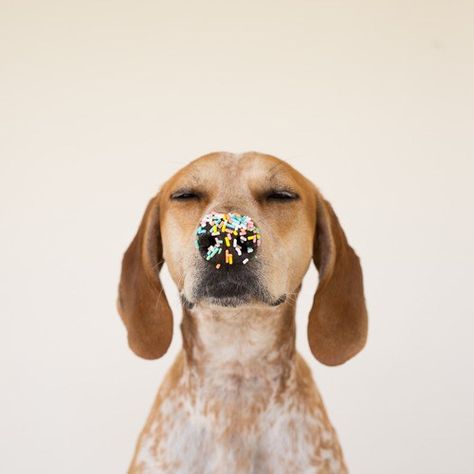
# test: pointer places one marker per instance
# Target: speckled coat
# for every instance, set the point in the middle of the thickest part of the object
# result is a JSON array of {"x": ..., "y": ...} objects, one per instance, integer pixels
[{"x": 239, "y": 399}]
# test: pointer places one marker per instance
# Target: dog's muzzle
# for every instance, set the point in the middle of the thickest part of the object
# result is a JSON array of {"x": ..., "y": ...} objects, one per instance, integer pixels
[{"x": 228, "y": 242}]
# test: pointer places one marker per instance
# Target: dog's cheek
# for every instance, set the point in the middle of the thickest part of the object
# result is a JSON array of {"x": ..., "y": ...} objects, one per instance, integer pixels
[
  {"x": 296, "y": 253},
  {"x": 173, "y": 253},
  {"x": 273, "y": 268}
]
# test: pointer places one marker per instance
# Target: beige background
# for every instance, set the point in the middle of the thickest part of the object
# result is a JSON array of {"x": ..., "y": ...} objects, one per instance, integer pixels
[{"x": 101, "y": 101}]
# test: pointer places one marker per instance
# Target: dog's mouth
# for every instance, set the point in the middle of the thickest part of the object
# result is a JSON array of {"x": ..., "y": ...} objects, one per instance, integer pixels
[
  {"x": 233, "y": 301},
  {"x": 231, "y": 293}
]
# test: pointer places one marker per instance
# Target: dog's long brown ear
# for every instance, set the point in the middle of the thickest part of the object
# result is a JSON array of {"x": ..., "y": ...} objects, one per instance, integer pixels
[
  {"x": 142, "y": 304},
  {"x": 337, "y": 326}
]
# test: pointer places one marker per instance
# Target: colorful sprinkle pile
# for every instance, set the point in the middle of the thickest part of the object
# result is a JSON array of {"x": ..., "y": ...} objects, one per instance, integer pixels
[{"x": 227, "y": 239}]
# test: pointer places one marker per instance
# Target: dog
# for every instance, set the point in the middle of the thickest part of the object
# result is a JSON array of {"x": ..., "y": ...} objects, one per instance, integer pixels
[{"x": 239, "y": 398}]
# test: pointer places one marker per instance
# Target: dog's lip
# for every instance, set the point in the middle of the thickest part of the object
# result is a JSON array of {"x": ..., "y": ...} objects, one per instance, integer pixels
[{"x": 233, "y": 301}]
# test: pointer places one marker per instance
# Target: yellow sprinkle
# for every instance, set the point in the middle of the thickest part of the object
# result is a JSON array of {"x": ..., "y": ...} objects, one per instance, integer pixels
[
  {"x": 227, "y": 241},
  {"x": 230, "y": 259},
  {"x": 251, "y": 237}
]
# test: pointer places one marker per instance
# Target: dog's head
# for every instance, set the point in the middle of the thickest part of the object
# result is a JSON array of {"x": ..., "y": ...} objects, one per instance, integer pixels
[{"x": 296, "y": 224}]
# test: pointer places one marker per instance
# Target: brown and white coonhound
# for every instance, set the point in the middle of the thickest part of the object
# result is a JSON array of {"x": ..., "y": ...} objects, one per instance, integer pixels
[{"x": 239, "y": 398}]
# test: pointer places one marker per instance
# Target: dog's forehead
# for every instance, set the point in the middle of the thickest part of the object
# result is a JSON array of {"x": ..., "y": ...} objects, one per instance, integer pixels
[{"x": 230, "y": 169}]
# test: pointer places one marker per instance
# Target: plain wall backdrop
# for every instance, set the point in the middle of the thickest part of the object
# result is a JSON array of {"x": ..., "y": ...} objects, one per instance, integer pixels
[{"x": 102, "y": 101}]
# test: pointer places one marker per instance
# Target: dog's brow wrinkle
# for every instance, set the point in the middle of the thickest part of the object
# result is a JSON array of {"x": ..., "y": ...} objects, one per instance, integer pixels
[
  {"x": 194, "y": 173},
  {"x": 274, "y": 167}
]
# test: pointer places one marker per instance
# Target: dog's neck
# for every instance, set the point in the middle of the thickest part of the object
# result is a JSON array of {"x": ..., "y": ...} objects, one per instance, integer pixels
[{"x": 230, "y": 351}]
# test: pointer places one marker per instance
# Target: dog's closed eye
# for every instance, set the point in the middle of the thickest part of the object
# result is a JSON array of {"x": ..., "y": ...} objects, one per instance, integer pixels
[
  {"x": 184, "y": 195},
  {"x": 281, "y": 195}
]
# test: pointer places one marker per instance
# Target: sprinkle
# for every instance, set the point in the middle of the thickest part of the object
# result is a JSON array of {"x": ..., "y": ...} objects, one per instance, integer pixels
[
  {"x": 245, "y": 261},
  {"x": 213, "y": 252}
]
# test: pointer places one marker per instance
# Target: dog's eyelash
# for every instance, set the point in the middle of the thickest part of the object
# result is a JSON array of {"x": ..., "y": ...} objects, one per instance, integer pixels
[
  {"x": 281, "y": 196},
  {"x": 184, "y": 195}
]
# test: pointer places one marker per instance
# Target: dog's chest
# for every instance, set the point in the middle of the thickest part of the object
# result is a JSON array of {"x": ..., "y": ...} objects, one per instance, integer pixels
[{"x": 237, "y": 430}]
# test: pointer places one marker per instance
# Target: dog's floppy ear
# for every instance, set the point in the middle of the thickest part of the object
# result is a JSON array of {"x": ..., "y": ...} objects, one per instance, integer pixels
[
  {"x": 337, "y": 326},
  {"x": 142, "y": 303}
]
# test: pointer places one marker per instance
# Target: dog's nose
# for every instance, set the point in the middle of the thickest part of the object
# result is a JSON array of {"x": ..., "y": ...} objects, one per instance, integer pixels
[{"x": 226, "y": 239}]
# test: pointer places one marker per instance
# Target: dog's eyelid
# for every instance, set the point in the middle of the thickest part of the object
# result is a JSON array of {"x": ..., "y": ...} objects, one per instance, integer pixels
[
  {"x": 282, "y": 194},
  {"x": 185, "y": 194}
]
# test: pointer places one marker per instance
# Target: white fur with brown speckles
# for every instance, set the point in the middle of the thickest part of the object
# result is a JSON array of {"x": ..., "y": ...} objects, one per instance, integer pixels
[{"x": 238, "y": 402}]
